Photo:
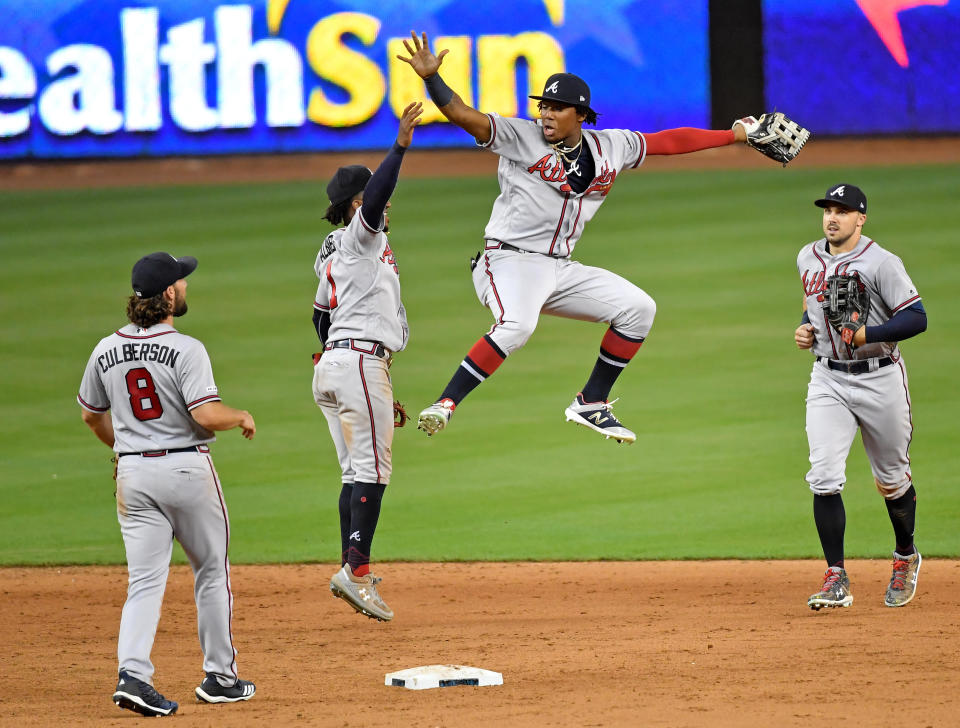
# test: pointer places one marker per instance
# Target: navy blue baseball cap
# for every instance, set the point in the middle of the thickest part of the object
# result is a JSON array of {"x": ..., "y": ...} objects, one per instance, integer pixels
[
  {"x": 567, "y": 89},
  {"x": 153, "y": 273},
  {"x": 846, "y": 195},
  {"x": 347, "y": 182}
]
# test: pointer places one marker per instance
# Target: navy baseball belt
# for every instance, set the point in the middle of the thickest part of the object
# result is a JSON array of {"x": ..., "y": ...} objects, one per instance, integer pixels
[
  {"x": 860, "y": 366},
  {"x": 161, "y": 453},
  {"x": 492, "y": 244},
  {"x": 364, "y": 347}
]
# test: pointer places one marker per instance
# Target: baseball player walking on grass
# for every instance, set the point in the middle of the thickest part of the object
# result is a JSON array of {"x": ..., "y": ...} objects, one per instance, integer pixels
[
  {"x": 361, "y": 322},
  {"x": 858, "y": 303},
  {"x": 148, "y": 393},
  {"x": 553, "y": 176}
]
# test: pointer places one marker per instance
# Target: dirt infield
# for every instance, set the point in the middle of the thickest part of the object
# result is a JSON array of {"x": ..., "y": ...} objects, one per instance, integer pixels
[
  {"x": 678, "y": 644},
  {"x": 454, "y": 163}
]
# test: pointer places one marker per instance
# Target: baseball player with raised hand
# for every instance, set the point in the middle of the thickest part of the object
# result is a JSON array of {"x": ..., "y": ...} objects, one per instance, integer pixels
[
  {"x": 553, "y": 176},
  {"x": 361, "y": 322},
  {"x": 858, "y": 303},
  {"x": 148, "y": 393}
]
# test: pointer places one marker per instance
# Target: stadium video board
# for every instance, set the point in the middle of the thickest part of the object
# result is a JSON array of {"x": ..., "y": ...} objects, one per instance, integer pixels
[
  {"x": 864, "y": 66},
  {"x": 108, "y": 78}
]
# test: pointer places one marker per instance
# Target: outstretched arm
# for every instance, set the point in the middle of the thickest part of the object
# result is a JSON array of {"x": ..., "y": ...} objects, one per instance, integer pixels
[
  {"x": 384, "y": 180},
  {"x": 427, "y": 66},
  {"x": 687, "y": 139}
]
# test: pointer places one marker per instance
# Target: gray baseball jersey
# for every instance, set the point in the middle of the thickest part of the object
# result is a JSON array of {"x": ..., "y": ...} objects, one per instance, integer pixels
[
  {"x": 150, "y": 379},
  {"x": 536, "y": 210},
  {"x": 360, "y": 286},
  {"x": 882, "y": 273},
  {"x": 877, "y": 401}
]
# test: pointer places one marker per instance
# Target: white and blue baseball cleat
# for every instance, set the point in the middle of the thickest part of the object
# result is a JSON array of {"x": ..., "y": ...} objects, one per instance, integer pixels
[
  {"x": 435, "y": 417},
  {"x": 599, "y": 417},
  {"x": 141, "y": 697}
]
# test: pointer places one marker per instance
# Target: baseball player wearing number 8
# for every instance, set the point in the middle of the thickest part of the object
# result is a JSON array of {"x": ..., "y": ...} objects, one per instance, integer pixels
[
  {"x": 553, "y": 176},
  {"x": 148, "y": 393},
  {"x": 859, "y": 381},
  {"x": 361, "y": 322}
]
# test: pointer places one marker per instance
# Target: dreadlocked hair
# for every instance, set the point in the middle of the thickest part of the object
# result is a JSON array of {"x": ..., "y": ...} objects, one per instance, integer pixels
[
  {"x": 337, "y": 214},
  {"x": 589, "y": 113},
  {"x": 145, "y": 312}
]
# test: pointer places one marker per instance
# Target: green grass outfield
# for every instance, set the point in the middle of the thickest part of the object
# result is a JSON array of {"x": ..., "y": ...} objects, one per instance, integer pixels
[{"x": 716, "y": 394}]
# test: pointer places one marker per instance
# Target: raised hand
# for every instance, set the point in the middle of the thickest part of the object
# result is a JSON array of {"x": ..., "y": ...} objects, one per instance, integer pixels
[
  {"x": 421, "y": 57},
  {"x": 408, "y": 120}
]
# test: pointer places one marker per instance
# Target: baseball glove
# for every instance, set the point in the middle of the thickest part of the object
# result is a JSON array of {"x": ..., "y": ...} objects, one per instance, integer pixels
[
  {"x": 400, "y": 415},
  {"x": 846, "y": 305},
  {"x": 774, "y": 135}
]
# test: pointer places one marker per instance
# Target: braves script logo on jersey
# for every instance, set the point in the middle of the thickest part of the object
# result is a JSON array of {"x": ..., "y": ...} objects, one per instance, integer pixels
[
  {"x": 815, "y": 282},
  {"x": 601, "y": 183},
  {"x": 551, "y": 169},
  {"x": 388, "y": 258}
]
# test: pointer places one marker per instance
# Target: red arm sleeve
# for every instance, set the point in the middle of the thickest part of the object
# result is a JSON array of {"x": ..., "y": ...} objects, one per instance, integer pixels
[{"x": 686, "y": 139}]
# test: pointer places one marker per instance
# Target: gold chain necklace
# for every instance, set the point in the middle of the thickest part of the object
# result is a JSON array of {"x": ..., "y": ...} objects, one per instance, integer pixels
[{"x": 570, "y": 155}]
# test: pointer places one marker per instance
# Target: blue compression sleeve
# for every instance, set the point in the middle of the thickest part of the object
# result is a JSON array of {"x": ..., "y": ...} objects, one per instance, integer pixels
[
  {"x": 902, "y": 325},
  {"x": 805, "y": 319},
  {"x": 440, "y": 93},
  {"x": 381, "y": 186}
]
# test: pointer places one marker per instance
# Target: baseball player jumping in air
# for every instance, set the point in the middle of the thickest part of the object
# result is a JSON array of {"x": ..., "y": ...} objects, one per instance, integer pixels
[
  {"x": 148, "y": 392},
  {"x": 858, "y": 303},
  {"x": 553, "y": 176},
  {"x": 361, "y": 321}
]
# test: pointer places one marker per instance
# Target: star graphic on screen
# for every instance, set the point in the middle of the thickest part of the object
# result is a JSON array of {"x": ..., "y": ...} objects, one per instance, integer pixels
[
  {"x": 602, "y": 22},
  {"x": 882, "y": 15},
  {"x": 397, "y": 13}
]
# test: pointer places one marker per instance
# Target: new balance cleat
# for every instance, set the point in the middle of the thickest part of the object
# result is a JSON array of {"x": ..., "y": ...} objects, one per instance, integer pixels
[
  {"x": 903, "y": 583},
  {"x": 360, "y": 592},
  {"x": 598, "y": 416},
  {"x": 435, "y": 417},
  {"x": 141, "y": 697},
  {"x": 835, "y": 591},
  {"x": 211, "y": 691}
]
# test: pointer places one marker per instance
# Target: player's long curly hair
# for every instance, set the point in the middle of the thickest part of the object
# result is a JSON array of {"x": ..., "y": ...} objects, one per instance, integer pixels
[
  {"x": 337, "y": 214},
  {"x": 146, "y": 312},
  {"x": 589, "y": 113}
]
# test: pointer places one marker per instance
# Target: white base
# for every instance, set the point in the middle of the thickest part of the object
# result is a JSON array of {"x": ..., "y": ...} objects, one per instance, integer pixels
[{"x": 442, "y": 676}]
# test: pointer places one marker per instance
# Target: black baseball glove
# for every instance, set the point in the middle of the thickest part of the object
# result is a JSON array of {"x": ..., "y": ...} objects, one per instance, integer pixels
[
  {"x": 774, "y": 135},
  {"x": 846, "y": 305}
]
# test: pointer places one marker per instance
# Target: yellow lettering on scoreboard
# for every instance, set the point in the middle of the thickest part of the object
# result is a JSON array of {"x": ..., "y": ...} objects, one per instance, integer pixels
[
  {"x": 332, "y": 59},
  {"x": 406, "y": 86},
  {"x": 497, "y": 57},
  {"x": 276, "y": 9}
]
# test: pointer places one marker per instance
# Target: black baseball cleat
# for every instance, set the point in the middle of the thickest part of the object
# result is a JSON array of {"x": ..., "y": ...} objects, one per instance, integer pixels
[
  {"x": 211, "y": 691},
  {"x": 598, "y": 416},
  {"x": 141, "y": 697}
]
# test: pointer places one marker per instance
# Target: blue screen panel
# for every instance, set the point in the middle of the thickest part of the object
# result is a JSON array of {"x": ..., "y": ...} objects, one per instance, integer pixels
[
  {"x": 864, "y": 66},
  {"x": 115, "y": 78}
]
